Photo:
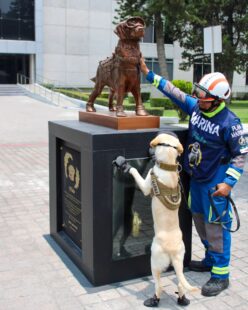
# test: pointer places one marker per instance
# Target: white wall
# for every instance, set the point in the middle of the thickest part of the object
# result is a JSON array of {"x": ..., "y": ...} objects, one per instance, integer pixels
[{"x": 77, "y": 35}]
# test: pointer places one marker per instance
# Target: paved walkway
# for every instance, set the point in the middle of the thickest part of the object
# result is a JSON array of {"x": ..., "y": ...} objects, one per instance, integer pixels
[{"x": 34, "y": 271}]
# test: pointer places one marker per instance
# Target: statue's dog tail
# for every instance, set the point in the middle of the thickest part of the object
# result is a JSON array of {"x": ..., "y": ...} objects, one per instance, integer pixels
[{"x": 93, "y": 79}]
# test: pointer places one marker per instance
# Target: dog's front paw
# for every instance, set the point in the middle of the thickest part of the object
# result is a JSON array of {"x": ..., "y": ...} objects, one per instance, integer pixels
[{"x": 121, "y": 163}]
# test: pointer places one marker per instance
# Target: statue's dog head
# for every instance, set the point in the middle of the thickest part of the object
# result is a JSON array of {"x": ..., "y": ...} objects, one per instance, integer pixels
[{"x": 131, "y": 29}]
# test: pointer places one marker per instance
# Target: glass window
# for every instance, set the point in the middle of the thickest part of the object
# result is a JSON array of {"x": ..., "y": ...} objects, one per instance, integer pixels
[
  {"x": 10, "y": 65},
  {"x": 27, "y": 9},
  {"x": 17, "y": 19},
  {"x": 149, "y": 34},
  {"x": 10, "y": 28},
  {"x": 152, "y": 64},
  {"x": 10, "y": 8},
  {"x": 26, "y": 29},
  {"x": 200, "y": 69}
]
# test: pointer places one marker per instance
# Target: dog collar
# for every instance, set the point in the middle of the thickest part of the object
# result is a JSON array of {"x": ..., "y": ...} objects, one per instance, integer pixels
[{"x": 167, "y": 166}]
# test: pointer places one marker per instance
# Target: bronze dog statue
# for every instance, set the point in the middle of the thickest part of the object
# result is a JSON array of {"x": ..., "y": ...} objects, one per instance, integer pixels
[{"x": 121, "y": 71}]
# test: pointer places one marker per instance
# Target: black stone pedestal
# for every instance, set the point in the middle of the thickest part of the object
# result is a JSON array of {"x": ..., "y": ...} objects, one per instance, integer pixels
[{"x": 97, "y": 214}]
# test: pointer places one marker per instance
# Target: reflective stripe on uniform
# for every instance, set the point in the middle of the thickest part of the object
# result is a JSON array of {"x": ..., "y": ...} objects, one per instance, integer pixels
[
  {"x": 220, "y": 270},
  {"x": 234, "y": 173},
  {"x": 156, "y": 80}
]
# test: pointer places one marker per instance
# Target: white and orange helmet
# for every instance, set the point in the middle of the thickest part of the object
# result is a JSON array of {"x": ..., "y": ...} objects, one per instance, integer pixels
[{"x": 212, "y": 86}]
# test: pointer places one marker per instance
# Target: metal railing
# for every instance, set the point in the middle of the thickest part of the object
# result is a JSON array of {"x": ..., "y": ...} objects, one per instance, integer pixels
[{"x": 46, "y": 89}]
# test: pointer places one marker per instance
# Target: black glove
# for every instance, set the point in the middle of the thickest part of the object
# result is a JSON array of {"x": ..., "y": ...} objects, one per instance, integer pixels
[
  {"x": 121, "y": 163},
  {"x": 151, "y": 152}
]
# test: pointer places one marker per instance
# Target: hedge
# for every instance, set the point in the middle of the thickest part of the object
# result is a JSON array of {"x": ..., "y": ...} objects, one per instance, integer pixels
[
  {"x": 83, "y": 96},
  {"x": 155, "y": 111},
  {"x": 104, "y": 95},
  {"x": 186, "y": 87},
  {"x": 145, "y": 96},
  {"x": 74, "y": 94},
  {"x": 165, "y": 103},
  {"x": 131, "y": 99},
  {"x": 129, "y": 106}
]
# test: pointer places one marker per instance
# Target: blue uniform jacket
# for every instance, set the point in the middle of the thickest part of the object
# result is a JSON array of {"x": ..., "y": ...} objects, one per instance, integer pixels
[{"x": 214, "y": 138}]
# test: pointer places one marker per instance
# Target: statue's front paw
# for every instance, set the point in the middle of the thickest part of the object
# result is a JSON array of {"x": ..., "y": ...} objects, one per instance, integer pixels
[{"x": 90, "y": 108}]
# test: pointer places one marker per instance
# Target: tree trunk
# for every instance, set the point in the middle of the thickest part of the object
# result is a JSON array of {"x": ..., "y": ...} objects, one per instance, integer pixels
[
  {"x": 229, "y": 77},
  {"x": 160, "y": 45}
]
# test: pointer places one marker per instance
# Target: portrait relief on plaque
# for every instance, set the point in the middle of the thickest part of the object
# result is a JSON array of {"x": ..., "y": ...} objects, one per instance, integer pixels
[{"x": 71, "y": 194}]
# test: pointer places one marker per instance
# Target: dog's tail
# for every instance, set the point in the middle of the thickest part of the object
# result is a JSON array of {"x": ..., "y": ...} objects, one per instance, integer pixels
[
  {"x": 185, "y": 283},
  {"x": 93, "y": 79}
]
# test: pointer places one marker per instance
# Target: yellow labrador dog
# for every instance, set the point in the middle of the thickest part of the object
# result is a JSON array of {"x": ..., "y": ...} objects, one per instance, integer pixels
[{"x": 162, "y": 182}]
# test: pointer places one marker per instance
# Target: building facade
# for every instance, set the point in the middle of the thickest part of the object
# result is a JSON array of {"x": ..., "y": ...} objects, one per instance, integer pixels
[{"x": 60, "y": 42}]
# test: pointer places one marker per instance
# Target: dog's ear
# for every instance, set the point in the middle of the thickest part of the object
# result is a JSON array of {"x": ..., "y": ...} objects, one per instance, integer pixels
[
  {"x": 179, "y": 148},
  {"x": 155, "y": 141},
  {"x": 120, "y": 30}
]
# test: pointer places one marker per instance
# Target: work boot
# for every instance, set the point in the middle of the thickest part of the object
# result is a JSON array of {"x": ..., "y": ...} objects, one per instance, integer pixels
[
  {"x": 199, "y": 266},
  {"x": 214, "y": 286}
]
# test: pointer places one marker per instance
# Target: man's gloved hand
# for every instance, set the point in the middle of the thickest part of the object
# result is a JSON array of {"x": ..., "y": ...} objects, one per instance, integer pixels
[
  {"x": 121, "y": 163},
  {"x": 151, "y": 152}
]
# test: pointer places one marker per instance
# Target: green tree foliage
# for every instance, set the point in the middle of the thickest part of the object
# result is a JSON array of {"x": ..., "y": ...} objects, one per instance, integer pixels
[
  {"x": 184, "y": 20},
  {"x": 232, "y": 15}
]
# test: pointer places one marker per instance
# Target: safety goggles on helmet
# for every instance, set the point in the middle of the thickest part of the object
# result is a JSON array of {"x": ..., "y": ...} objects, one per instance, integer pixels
[{"x": 202, "y": 93}]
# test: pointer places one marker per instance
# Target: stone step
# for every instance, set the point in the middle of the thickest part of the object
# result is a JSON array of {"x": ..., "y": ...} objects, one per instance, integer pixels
[{"x": 11, "y": 90}]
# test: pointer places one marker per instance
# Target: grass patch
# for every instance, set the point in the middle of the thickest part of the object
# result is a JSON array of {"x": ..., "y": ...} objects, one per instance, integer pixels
[{"x": 241, "y": 112}]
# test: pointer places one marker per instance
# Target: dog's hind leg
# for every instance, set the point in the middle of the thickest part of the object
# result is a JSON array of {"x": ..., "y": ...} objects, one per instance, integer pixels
[
  {"x": 112, "y": 107},
  {"x": 183, "y": 285},
  {"x": 119, "y": 106},
  {"x": 96, "y": 92},
  {"x": 154, "y": 301},
  {"x": 159, "y": 262}
]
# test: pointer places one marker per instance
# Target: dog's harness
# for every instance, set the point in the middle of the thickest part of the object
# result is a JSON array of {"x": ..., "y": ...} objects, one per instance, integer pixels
[{"x": 170, "y": 197}]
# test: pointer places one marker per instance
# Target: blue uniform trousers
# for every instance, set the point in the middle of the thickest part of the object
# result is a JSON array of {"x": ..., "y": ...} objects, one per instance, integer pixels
[{"x": 216, "y": 239}]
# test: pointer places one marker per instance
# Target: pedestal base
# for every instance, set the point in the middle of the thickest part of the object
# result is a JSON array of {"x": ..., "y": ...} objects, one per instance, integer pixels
[
  {"x": 109, "y": 119},
  {"x": 97, "y": 214}
]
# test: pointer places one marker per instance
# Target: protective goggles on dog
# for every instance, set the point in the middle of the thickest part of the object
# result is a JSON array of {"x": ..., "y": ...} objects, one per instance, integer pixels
[
  {"x": 202, "y": 93},
  {"x": 166, "y": 145}
]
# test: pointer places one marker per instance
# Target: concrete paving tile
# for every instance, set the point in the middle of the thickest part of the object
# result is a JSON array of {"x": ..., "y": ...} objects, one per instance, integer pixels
[
  {"x": 88, "y": 299},
  {"x": 109, "y": 294},
  {"x": 216, "y": 303},
  {"x": 97, "y": 306},
  {"x": 196, "y": 306},
  {"x": 118, "y": 304},
  {"x": 233, "y": 301},
  {"x": 243, "y": 295},
  {"x": 32, "y": 274}
]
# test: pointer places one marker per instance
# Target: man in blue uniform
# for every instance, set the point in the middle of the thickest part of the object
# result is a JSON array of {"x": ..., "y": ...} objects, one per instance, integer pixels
[{"x": 214, "y": 157}]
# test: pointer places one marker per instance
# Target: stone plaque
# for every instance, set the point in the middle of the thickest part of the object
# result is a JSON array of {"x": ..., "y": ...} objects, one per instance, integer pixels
[{"x": 71, "y": 194}]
